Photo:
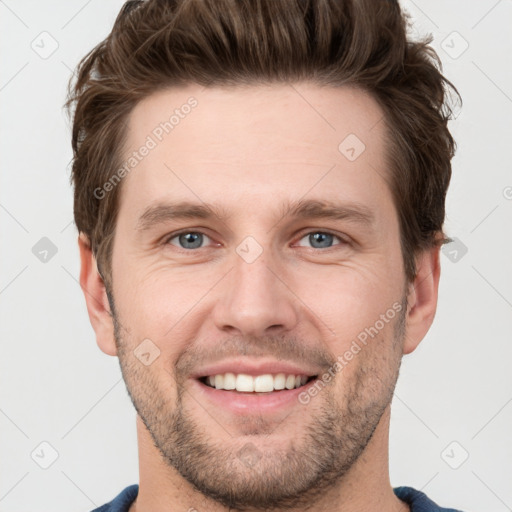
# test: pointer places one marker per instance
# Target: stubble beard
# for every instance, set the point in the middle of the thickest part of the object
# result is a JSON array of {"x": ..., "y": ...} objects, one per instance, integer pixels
[{"x": 247, "y": 476}]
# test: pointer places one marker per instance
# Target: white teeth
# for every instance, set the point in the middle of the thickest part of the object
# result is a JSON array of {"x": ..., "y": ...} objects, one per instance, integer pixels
[
  {"x": 290, "y": 382},
  {"x": 279, "y": 381},
  {"x": 219, "y": 381},
  {"x": 264, "y": 383},
  {"x": 260, "y": 384},
  {"x": 229, "y": 381},
  {"x": 244, "y": 382}
]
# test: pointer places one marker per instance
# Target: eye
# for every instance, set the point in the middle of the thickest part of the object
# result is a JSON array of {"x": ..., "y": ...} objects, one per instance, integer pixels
[
  {"x": 321, "y": 239},
  {"x": 188, "y": 239}
]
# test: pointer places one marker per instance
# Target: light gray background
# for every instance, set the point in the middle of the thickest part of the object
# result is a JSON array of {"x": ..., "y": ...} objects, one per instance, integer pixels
[{"x": 454, "y": 395}]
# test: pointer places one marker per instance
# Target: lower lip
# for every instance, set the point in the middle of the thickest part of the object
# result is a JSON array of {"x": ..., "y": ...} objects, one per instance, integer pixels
[{"x": 239, "y": 402}]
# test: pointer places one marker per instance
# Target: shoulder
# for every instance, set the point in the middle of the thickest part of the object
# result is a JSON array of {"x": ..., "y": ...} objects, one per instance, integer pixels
[
  {"x": 419, "y": 501},
  {"x": 122, "y": 502}
]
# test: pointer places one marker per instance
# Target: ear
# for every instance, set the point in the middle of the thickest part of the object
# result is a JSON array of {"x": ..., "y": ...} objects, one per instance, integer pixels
[
  {"x": 96, "y": 298},
  {"x": 422, "y": 298}
]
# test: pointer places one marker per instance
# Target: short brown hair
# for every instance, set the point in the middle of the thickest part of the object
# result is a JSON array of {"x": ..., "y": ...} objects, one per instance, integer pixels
[{"x": 362, "y": 43}]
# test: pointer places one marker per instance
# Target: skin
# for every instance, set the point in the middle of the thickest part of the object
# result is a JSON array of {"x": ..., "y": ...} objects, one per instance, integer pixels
[{"x": 248, "y": 149}]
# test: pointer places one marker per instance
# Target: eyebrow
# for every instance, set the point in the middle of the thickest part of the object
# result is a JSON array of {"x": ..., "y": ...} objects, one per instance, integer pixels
[{"x": 302, "y": 209}]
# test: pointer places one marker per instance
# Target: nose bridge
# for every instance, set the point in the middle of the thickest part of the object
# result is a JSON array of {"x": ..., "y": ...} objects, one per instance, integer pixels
[{"x": 252, "y": 298}]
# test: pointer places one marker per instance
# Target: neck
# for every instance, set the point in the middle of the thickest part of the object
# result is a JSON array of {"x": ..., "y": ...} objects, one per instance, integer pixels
[{"x": 365, "y": 487}]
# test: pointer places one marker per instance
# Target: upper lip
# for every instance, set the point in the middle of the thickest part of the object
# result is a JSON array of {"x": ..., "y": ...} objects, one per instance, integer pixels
[{"x": 255, "y": 367}]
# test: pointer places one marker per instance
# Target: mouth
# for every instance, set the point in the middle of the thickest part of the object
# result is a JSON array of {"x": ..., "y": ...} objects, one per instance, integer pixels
[
  {"x": 243, "y": 386},
  {"x": 256, "y": 384}
]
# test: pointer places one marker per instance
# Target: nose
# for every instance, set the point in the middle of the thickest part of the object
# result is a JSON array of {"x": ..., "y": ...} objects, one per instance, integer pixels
[{"x": 254, "y": 300}]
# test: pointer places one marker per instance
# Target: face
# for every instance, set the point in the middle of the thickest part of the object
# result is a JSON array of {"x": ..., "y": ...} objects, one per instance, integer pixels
[{"x": 257, "y": 248}]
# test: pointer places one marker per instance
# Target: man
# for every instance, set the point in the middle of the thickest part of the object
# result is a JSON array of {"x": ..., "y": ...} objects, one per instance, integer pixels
[{"x": 259, "y": 191}]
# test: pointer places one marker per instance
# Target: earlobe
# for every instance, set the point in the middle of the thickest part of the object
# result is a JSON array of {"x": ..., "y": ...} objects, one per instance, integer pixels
[
  {"x": 96, "y": 298},
  {"x": 422, "y": 298}
]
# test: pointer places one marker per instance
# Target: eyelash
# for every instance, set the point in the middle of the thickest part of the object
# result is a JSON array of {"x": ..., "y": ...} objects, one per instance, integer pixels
[{"x": 303, "y": 235}]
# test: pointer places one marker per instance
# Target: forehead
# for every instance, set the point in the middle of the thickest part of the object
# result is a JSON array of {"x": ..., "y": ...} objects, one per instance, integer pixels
[
  {"x": 255, "y": 144},
  {"x": 301, "y": 113}
]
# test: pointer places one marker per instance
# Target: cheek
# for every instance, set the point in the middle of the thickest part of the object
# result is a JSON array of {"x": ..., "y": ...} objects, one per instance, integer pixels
[
  {"x": 368, "y": 358},
  {"x": 158, "y": 303},
  {"x": 164, "y": 302},
  {"x": 346, "y": 301}
]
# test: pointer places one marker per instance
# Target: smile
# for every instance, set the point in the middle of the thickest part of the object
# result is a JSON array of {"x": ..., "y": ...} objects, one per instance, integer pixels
[{"x": 266, "y": 383}]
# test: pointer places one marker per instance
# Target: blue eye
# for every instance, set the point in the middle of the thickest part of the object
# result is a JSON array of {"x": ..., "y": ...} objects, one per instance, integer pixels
[
  {"x": 189, "y": 240},
  {"x": 321, "y": 239},
  {"x": 195, "y": 239}
]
